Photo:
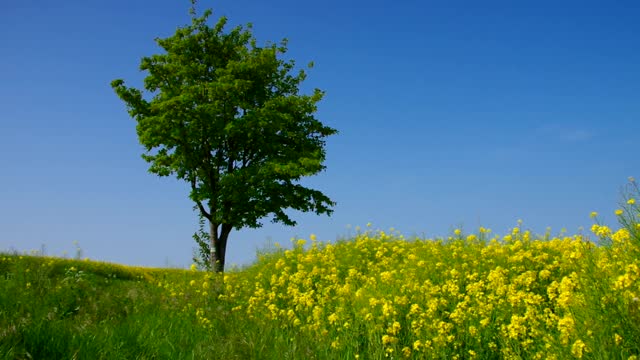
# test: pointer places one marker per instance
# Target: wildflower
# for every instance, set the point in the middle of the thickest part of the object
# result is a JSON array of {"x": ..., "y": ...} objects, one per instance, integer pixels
[
  {"x": 386, "y": 339},
  {"x": 621, "y": 235},
  {"x": 544, "y": 274},
  {"x": 578, "y": 348},
  {"x": 457, "y": 232},
  {"x": 618, "y": 339},
  {"x": 417, "y": 345},
  {"x": 516, "y": 328},
  {"x": 600, "y": 230},
  {"x": 406, "y": 351},
  {"x": 414, "y": 309},
  {"x": 395, "y": 328},
  {"x": 386, "y": 276},
  {"x": 631, "y": 201},
  {"x": 593, "y": 214},
  {"x": 566, "y": 327},
  {"x": 473, "y": 331},
  {"x": 193, "y": 267},
  {"x": 618, "y": 212}
]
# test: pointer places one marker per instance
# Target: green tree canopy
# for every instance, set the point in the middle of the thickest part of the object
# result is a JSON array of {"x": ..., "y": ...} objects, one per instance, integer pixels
[{"x": 227, "y": 116}]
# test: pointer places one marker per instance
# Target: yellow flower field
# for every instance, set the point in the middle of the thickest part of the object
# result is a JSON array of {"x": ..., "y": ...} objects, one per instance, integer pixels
[
  {"x": 377, "y": 295},
  {"x": 468, "y": 296}
]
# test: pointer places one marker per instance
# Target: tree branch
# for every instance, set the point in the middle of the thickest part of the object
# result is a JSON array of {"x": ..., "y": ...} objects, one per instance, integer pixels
[{"x": 199, "y": 203}]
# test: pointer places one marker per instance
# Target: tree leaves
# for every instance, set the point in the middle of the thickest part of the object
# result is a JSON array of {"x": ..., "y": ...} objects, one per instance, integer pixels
[{"x": 226, "y": 116}]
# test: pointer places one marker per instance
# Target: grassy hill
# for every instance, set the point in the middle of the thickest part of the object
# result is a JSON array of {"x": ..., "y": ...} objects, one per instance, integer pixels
[{"x": 374, "y": 296}]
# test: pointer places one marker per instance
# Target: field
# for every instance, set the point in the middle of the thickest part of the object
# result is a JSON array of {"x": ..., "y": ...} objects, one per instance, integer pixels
[{"x": 377, "y": 295}]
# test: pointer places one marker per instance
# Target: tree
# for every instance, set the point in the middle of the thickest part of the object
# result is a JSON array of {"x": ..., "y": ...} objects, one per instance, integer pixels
[{"x": 227, "y": 117}]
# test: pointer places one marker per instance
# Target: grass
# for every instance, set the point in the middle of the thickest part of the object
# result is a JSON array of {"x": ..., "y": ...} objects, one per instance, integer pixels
[{"x": 374, "y": 296}]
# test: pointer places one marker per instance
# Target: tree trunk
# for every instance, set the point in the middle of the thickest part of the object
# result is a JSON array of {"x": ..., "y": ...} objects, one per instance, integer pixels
[{"x": 218, "y": 245}]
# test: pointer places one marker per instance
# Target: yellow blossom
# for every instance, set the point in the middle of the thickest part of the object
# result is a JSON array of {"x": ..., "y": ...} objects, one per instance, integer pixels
[
  {"x": 618, "y": 339},
  {"x": 578, "y": 348},
  {"x": 417, "y": 345},
  {"x": 395, "y": 328},
  {"x": 386, "y": 339},
  {"x": 473, "y": 331},
  {"x": 406, "y": 351},
  {"x": 621, "y": 236},
  {"x": 600, "y": 230}
]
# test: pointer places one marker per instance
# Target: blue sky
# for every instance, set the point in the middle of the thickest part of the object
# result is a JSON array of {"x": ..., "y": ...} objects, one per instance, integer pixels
[{"x": 451, "y": 113}]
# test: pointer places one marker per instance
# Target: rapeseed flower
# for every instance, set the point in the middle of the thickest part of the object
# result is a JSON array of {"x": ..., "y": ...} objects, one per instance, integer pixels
[
  {"x": 578, "y": 348},
  {"x": 617, "y": 339},
  {"x": 457, "y": 296}
]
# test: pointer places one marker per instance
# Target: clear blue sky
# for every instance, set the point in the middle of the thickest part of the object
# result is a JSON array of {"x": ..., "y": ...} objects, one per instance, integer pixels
[{"x": 451, "y": 113}]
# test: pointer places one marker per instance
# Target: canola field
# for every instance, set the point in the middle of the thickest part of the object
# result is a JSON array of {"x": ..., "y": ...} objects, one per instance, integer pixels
[{"x": 469, "y": 296}]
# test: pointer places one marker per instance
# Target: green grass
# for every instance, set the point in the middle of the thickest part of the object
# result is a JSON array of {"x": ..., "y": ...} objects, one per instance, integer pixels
[
  {"x": 59, "y": 309},
  {"x": 374, "y": 296},
  {"x": 56, "y": 308}
]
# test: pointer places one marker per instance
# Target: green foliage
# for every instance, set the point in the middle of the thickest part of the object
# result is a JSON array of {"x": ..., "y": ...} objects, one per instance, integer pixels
[
  {"x": 202, "y": 254},
  {"x": 226, "y": 116}
]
